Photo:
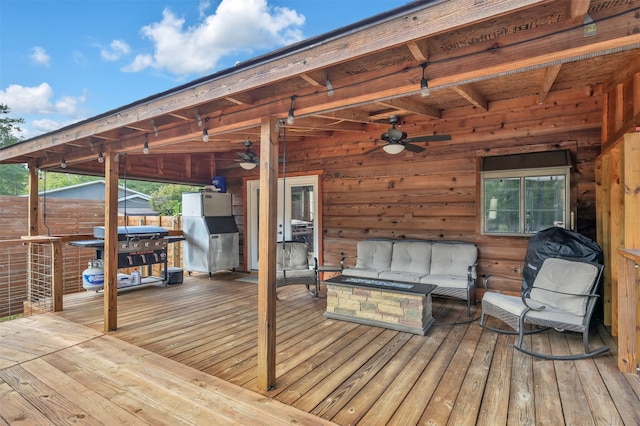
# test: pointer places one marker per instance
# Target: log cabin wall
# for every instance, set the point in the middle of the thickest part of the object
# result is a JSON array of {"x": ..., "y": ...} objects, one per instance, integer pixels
[{"x": 435, "y": 194}]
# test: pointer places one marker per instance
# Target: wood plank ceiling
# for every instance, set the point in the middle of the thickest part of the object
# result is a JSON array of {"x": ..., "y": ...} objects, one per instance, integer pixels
[{"x": 351, "y": 80}]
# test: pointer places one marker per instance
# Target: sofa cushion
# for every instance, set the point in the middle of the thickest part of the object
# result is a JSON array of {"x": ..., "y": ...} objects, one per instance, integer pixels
[
  {"x": 361, "y": 272},
  {"x": 452, "y": 259},
  {"x": 412, "y": 257},
  {"x": 400, "y": 276},
  {"x": 445, "y": 281},
  {"x": 374, "y": 255}
]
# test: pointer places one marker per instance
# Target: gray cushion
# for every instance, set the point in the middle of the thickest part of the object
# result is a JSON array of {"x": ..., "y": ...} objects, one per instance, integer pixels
[
  {"x": 452, "y": 259},
  {"x": 412, "y": 257},
  {"x": 514, "y": 305},
  {"x": 292, "y": 256},
  {"x": 564, "y": 276},
  {"x": 374, "y": 255}
]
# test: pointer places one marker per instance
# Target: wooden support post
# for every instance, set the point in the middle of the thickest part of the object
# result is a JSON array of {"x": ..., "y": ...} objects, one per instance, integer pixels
[
  {"x": 627, "y": 307},
  {"x": 57, "y": 287},
  {"x": 33, "y": 201},
  {"x": 616, "y": 224},
  {"x": 267, "y": 254},
  {"x": 629, "y": 318},
  {"x": 111, "y": 243}
]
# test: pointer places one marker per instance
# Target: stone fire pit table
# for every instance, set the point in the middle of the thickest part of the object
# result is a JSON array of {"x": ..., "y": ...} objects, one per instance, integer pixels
[{"x": 396, "y": 305}]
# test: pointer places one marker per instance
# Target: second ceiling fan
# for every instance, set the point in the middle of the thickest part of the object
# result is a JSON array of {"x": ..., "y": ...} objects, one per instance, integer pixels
[{"x": 397, "y": 140}]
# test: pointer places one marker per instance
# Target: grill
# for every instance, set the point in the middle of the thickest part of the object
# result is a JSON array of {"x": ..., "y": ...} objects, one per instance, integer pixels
[{"x": 138, "y": 245}]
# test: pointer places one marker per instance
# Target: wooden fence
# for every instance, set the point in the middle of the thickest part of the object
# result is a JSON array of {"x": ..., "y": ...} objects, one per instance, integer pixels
[{"x": 59, "y": 217}]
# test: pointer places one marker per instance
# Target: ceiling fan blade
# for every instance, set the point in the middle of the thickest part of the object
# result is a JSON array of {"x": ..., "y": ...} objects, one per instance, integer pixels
[
  {"x": 374, "y": 149},
  {"x": 429, "y": 138},
  {"x": 413, "y": 148}
]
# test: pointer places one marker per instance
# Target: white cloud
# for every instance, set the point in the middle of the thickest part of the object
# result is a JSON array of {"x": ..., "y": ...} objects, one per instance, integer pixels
[
  {"x": 235, "y": 26},
  {"x": 39, "y": 56},
  {"x": 117, "y": 49},
  {"x": 38, "y": 100},
  {"x": 28, "y": 100}
]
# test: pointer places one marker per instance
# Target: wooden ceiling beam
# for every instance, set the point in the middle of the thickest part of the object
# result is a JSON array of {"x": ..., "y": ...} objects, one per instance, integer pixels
[
  {"x": 412, "y": 106},
  {"x": 578, "y": 10},
  {"x": 550, "y": 75},
  {"x": 354, "y": 114},
  {"x": 468, "y": 92},
  {"x": 419, "y": 49}
]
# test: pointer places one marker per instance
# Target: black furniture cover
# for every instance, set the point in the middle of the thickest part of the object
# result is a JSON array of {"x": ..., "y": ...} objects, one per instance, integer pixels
[{"x": 557, "y": 242}]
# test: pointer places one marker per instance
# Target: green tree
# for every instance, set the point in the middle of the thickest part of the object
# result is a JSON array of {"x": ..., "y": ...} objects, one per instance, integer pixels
[
  {"x": 13, "y": 177},
  {"x": 167, "y": 200}
]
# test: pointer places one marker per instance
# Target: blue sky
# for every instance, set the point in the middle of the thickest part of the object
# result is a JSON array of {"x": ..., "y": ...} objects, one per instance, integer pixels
[{"x": 64, "y": 61}]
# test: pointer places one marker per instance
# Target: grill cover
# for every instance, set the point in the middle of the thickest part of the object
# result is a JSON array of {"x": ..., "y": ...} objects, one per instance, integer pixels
[{"x": 557, "y": 242}]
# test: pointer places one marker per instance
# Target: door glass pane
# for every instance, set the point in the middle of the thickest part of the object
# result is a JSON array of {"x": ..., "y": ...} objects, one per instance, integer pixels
[
  {"x": 544, "y": 202},
  {"x": 302, "y": 220},
  {"x": 502, "y": 205}
]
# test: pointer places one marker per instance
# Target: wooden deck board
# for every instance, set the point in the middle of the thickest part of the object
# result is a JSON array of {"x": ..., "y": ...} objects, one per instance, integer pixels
[{"x": 327, "y": 370}]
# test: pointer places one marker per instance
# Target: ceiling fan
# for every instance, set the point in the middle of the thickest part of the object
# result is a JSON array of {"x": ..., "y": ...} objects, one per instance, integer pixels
[
  {"x": 397, "y": 140},
  {"x": 248, "y": 160}
]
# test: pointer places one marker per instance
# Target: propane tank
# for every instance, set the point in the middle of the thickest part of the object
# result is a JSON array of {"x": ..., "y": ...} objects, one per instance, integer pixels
[{"x": 93, "y": 276}]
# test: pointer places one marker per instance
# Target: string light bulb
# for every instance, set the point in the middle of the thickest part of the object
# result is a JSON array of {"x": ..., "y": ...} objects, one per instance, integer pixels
[
  {"x": 424, "y": 84},
  {"x": 145, "y": 148},
  {"x": 291, "y": 117},
  {"x": 63, "y": 164},
  {"x": 205, "y": 131},
  {"x": 100, "y": 158}
]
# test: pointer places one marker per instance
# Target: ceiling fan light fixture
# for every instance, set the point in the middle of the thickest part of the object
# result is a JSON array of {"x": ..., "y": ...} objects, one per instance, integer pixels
[
  {"x": 393, "y": 148},
  {"x": 248, "y": 165}
]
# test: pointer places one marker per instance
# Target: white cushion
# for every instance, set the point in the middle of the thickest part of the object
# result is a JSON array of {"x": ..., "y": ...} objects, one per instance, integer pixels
[
  {"x": 409, "y": 277},
  {"x": 411, "y": 257},
  {"x": 514, "y": 305},
  {"x": 448, "y": 281},
  {"x": 361, "y": 272},
  {"x": 452, "y": 259},
  {"x": 292, "y": 256},
  {"x": 564, "y": 276},
  {"x": 374, "y": 255}
]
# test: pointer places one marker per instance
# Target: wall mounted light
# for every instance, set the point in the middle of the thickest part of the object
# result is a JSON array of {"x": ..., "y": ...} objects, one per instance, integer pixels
[
  {"x": 291, "y": 117},
  {"x": 100, "y": 158},
  {"x": 205, "y": 131},
  {"x": 393, "y": 148},
  {"x": 63, "y": 164},
  {"x": 424, "y": 84}
]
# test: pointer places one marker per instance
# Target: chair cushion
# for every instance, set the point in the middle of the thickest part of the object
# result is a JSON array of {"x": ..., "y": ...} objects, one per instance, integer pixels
[
  {"x": 452, "y": 259},
  {"x": 374, "y": 255},
  {"x": 566, "y": 276},
  {"x": 411, "y": 257},
  {"x": 514, "y": 305},
  {"x": 292, "y": 256}
]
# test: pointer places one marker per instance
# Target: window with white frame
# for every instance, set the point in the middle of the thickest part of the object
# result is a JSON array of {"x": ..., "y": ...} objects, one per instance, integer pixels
[{"x": 526, "y": 193}]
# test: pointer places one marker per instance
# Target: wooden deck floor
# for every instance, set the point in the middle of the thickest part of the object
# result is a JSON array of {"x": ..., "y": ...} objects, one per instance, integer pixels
[{"x": 458, "y": 374}]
